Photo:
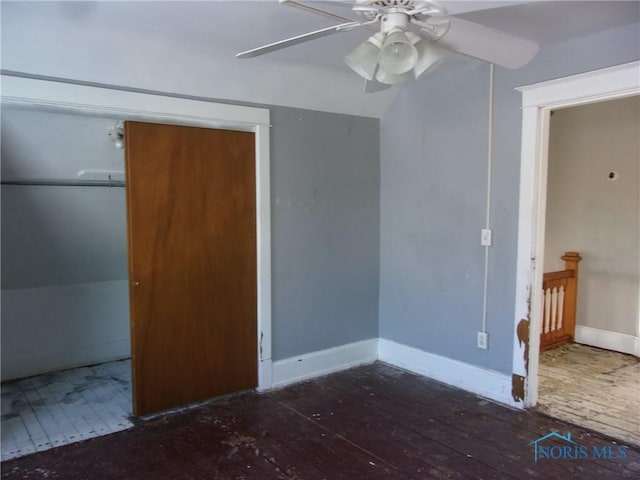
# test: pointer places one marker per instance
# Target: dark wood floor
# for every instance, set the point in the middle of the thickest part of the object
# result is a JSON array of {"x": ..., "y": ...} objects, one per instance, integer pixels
[{"x": 369, "y": 423}]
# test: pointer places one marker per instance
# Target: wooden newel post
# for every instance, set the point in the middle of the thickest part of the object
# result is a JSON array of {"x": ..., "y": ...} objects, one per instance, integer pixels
[{"x": 571, "y": 261}]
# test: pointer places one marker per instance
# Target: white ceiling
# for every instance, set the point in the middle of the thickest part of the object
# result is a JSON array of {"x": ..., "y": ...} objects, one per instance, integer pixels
[{"x": 189, "y": 47}]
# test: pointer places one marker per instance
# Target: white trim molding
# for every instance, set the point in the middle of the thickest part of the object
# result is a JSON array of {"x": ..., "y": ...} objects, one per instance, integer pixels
[
  {"x": 265, "y": 375},
  {"x": 618, "y": 342},
  {"x": 579, "y": 89},
  {"x": 102, "y": 101},
  {"x": 538, "y": 101},
  {"x": 80, "y": 99},
  {"x": 481, "y": 381},
  {"x": 323, "y": 362}
]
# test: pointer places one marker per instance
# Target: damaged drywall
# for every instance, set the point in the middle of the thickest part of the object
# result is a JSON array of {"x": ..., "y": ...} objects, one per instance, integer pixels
[{"x": 518, "y": 381}]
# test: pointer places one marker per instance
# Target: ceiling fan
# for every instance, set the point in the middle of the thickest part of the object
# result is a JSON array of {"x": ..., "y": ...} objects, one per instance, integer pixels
[{"x": 411, "y": 39}]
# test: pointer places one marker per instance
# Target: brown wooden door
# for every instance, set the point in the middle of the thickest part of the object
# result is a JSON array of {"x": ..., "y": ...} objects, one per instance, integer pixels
[{"x": 191, "y": 208}]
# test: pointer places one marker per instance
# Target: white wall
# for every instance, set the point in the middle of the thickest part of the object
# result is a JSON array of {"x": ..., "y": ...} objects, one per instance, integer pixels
[
  {"x": 62, "y": 326},
  {"x": 594, "y": 215}
]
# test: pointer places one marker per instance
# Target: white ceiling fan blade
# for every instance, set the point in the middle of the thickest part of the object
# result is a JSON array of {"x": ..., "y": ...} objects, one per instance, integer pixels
[
  {"x": 272, "y": 47},
  {"x": 486, "y": 43},
  {"x": 324, "y": 13},
  {"x": 314, "y": 10}
]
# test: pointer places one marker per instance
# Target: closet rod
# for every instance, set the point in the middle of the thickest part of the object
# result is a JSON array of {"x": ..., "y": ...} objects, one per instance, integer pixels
[{"x": 66, "y": 183}]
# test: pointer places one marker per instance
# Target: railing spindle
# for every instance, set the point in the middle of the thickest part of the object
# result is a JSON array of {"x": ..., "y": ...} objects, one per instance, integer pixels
[{"x": 560, "y": 293}]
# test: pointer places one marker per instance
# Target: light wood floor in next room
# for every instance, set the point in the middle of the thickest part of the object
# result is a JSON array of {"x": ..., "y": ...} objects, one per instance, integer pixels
[{"x": 594, "y": 388}]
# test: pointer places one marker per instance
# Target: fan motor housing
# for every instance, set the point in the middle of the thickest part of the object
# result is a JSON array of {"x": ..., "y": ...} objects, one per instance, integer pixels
[
  {"x": 419, "y": 9},
  {"x": 392, "y": 21}
]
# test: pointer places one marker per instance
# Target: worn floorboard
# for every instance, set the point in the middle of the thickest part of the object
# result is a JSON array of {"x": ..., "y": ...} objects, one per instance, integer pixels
[
  {"x": 371, "y": 423},
  {"x": 598, "y": 389}
]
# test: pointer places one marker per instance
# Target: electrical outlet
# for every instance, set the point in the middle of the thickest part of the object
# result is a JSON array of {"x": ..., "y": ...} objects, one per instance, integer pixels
[
  {"x": 483, "y": 340},
  {"x": 485, "y": 237}
]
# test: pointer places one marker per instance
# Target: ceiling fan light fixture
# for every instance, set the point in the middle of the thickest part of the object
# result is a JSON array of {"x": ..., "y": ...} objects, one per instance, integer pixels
[
  {"x": 398, "y": 54},
  {"x": 387, "y": 78},
  {"x": 364, "y": 58},
  {"x": 429, "y": 57}
]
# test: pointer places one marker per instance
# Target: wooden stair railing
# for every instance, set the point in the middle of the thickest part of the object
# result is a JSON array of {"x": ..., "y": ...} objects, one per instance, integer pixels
[{"x": 559, "y": 300}]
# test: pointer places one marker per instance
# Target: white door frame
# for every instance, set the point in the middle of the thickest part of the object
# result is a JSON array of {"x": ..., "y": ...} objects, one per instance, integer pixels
[
  {"x": 538, "y": 100},
  {"x": 125, "y": 105}
]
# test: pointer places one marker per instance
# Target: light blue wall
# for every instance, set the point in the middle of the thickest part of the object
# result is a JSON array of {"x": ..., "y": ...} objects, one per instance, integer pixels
[
  {"x": 325, "y": 225},
  {"x": 433, "y": 190}
]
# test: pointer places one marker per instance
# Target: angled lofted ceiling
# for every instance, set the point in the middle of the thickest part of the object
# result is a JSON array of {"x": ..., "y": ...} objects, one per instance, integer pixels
[{"x": 189, "y": 47}]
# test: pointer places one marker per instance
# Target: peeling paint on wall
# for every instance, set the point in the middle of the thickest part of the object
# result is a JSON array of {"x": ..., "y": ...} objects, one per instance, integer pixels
[
  {"x": 523, "y": 339},
  {"x": 517, "y": 387}
]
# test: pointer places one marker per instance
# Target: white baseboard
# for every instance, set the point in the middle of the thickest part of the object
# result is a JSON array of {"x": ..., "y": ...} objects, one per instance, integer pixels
[
  {"x": 618, "y": 342},
  {"x": 323, "y": 362},
  {"x": 487, "y": 383}
]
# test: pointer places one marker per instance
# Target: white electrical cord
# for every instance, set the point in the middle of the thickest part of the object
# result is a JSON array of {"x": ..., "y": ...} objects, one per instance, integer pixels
[{"x": 488, "y": 205}]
